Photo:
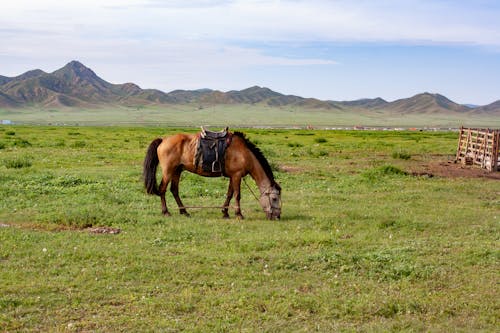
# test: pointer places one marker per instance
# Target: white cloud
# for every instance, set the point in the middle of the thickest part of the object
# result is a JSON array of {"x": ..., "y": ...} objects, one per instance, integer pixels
[
  {"x": 186, "y": 38},
  {"x": 253, "y": 20}
]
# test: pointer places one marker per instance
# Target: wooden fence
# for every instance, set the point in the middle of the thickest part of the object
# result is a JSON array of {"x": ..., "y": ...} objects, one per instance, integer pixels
[{"x": 479, "y": 147}]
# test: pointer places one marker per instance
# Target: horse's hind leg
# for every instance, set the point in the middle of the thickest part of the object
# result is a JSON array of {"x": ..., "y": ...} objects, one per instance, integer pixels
[
  {"x": 166, "y": 178},
  {"x": 174, "y": 188},
  {"x": 163, "y": 190}
]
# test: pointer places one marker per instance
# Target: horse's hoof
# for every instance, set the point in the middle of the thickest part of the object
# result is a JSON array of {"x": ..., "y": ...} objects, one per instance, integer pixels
[
  {"x": 225, "y": 216},
  {"x": 240, "y": 217},
  {"x": 167, "y": 214},
  {"x": 186, "y": 214}
]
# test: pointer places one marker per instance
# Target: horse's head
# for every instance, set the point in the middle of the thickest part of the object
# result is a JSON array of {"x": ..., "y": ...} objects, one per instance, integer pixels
[{"x": 270, "y": 200}]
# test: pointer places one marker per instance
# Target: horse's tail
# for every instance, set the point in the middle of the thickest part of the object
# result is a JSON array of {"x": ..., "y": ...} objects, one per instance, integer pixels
[{"x": 150, "y": 164}]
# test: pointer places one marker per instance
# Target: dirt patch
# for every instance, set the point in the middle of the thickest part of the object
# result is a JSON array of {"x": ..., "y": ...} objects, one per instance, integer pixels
[
  {"x": 450, "y": 169},
  {"x": 290, "y": 169},
  {"x": 104, "y": 230},
  {"x": 37, "y": 226},
  {"x": 58, "y": 227}
]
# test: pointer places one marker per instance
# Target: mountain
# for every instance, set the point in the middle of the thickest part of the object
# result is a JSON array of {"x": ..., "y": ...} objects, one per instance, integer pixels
[
  {"x": 76, "y": 85},
  {"x": 187, "y": 96},
  {"x": 4, "y": 79},
  {"x": 70, "y": 86},
  {"x": 254, "y": 95},
  {"x": 29, "y": 74},
  {"x": 471, "y": 106},
  {"x": 261, "y": 96},
  {"x": 425, "y": 103},
  {"x": 369, "y": 103},
  {"x": 6, "y": 100},
  {"x": 490, "y": 108}
]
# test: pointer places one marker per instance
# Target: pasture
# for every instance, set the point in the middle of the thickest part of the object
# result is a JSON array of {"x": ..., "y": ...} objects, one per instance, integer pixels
[
  {"x": 366, "y": 242},
  {"x": 192, "y": 115}
]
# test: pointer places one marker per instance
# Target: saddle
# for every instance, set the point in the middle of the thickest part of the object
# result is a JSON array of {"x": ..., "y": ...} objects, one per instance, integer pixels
[
  {"x": 211, "y": 150},
  {"x": 206, "y": 134}
]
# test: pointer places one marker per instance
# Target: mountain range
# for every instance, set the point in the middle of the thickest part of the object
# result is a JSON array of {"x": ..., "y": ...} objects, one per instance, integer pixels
[{"x": 76, "y": 85}]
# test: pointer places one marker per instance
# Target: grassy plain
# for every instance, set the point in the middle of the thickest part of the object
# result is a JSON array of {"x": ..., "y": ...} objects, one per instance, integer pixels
[
  {"x": 362, "y": 245},
  {"x": 192, "y": 115}
]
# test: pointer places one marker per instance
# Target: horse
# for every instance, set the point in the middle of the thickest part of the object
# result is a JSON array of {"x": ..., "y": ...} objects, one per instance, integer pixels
[{"x": 177, "y": 153}]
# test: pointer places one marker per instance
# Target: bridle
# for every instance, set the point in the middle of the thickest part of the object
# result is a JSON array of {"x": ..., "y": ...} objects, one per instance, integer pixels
[{"x": 267, "y": 192}]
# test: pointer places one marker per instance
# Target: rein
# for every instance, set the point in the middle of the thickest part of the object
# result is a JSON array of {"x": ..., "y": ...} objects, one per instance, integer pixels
[
  {"x": 245, "y": 181},
  {"x": 223, "y": 207},
  {"x": 192, "y": 207}
]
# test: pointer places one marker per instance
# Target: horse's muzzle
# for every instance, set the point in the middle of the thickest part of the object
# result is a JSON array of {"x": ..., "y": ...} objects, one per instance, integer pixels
[{"x": 273, "y": 215}]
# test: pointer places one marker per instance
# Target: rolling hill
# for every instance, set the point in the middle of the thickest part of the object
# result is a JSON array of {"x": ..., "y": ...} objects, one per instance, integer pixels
[
  {"x": 368, "y": 103},
  {"x": 76, "y": 85},
  {"x": 425, "y": 103},
  {"x": 490, "y": 108}
]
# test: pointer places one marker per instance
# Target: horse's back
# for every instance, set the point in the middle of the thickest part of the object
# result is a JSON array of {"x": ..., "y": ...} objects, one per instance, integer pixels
[
  {"x": 177, "y": 139},
  {"x": 177, "y": 149}
]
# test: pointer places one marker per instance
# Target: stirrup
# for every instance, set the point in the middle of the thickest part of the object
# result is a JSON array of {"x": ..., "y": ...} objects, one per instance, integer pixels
[{"x": 216, "y": 167}]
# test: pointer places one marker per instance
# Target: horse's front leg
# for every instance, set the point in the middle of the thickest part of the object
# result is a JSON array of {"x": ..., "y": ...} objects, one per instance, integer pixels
[
  {"x": 174, "y": 188},
  {"x": 229, "y": 195},
  {"x": 236, "y": 183}
]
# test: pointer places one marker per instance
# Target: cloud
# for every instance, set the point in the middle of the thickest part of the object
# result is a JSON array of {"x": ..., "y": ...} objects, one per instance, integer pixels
[
  {"x": 185, "y": 4},
  {"x": 253, "y": 20},
  {"x": 328, "y": 21},
  {"x": 186, "y": 37}
]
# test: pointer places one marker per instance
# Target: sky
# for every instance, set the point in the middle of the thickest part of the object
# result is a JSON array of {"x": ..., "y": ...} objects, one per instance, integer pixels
[{"x": 331, "y": 50}]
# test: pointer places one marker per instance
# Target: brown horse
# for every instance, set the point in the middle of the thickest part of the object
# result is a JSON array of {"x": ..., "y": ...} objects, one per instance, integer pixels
[{"x": 177, "y": 153}]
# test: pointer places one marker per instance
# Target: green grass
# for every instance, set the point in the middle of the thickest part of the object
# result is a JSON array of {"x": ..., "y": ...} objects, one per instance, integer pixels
[{"x": 362, "y": 244}]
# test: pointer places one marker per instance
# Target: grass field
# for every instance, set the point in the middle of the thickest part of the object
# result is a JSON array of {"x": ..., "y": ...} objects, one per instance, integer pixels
[
  {"x": 249, "y": 115},
  {"x": 362, "y": 245}
]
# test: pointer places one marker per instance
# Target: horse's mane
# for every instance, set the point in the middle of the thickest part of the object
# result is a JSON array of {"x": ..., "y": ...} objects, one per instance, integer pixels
[{"x": 258, "y": 154}]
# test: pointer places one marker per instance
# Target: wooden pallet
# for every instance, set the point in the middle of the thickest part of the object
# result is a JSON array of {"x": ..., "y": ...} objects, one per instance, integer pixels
[{"x": 479, "y": 147}]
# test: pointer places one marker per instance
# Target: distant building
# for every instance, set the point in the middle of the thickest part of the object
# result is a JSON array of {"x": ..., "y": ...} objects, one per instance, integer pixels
[{"x": 6, "y": 122}]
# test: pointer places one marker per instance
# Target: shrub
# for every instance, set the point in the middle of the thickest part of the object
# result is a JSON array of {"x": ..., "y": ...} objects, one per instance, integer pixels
[
  {"x": 320, "y": 140},
  {"x": 385, "y": 170},
  {"x": 390, "y": 170},
  {"x": 274, "y": 166},
  {"x": 294, "y": 144},
  {"x": 401, "y": 155},
  {"x": 22, "y": 143},
  {"x": 78, "y": 144},
  {"x": 59, "y": 143},
  {"x": 317, "y": 153},
  {"x": 322, "y": 153},
  {"x": 18, "y": 163}
]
